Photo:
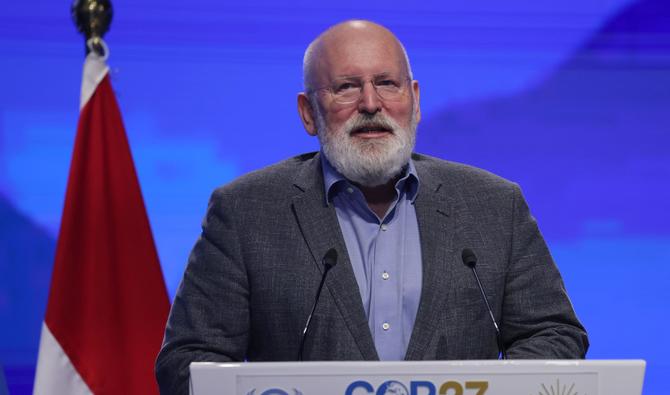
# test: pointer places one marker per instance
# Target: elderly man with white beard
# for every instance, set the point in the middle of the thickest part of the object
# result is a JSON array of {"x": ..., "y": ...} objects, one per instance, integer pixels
[{"x": 400, "y": 224}]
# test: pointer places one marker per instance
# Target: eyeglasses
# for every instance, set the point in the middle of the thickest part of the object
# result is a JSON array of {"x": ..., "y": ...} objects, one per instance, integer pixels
[{"x": 349, "y": 90}]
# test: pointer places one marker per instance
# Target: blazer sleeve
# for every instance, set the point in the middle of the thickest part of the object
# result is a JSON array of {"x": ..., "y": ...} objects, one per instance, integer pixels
[
  {"x": 538, "y": 320},
  {"x": 209, "y": 319}
]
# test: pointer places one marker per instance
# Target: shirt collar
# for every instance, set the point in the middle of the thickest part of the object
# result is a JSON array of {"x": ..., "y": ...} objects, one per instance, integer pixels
[{"x": 333, "y": 181}]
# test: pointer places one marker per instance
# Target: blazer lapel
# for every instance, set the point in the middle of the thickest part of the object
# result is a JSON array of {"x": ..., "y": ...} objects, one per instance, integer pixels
[
  {"x": 321, "y": 230},
  {"x": 436, "y": 230}
]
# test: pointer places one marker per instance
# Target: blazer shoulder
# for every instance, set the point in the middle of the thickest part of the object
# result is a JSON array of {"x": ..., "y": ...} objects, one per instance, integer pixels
[
  {"x": 459, "y": 175},
  {"x": 269, "y": 183}
]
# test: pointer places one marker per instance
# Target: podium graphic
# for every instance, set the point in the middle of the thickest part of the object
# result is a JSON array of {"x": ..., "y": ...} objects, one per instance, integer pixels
[{"x": 511, "y": 377}]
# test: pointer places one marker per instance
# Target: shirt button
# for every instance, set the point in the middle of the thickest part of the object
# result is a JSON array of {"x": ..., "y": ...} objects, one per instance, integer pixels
[
  {"x": 385, "y": 276},
  {"x": 350, "y": 190},
  {"x": 384, "y": 227},
  {"x": 386, "y": 326}
]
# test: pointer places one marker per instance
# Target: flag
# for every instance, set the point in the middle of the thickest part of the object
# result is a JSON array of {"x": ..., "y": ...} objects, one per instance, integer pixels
[{"x": 108, "y": 304}]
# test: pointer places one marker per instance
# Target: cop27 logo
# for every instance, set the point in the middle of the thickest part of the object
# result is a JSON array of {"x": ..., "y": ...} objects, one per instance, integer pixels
[
  {"x": 275, "y": 391},
  {"x": 550, "y": 389},
  {"x": 393, "y": 387}
]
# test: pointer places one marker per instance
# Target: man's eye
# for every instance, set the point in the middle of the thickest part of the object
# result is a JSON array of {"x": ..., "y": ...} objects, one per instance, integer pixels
[
  {"x": 389, "y": 83},
  {"x": 345, "y": 87}
]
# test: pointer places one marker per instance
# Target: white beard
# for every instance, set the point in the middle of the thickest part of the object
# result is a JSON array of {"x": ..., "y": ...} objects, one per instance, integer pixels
[{"x": 368, "y": 162}]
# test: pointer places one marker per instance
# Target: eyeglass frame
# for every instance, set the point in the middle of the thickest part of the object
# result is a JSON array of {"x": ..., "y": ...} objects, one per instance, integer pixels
[{"x": 402, "y": 84}]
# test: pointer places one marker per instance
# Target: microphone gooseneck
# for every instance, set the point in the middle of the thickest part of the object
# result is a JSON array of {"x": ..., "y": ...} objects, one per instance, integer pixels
[
  {"x": 470, "y": 260},
  {"x": 329, "y": 260}
]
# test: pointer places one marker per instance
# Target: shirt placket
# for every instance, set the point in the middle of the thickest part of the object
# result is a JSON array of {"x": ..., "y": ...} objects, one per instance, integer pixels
[{"x": 385, "y": 290}]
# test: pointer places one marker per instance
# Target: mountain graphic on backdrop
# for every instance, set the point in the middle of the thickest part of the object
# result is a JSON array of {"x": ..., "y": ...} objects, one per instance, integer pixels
[
  {"x": 590, "y": 142},
  {"x": 26, "y": 259}
]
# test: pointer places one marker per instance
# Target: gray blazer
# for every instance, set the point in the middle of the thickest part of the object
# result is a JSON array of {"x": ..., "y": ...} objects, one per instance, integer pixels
[{"x": 252, "y": 276}]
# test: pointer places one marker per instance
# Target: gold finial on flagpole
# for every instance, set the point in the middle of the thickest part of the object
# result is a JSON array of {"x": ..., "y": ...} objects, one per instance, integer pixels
[{"x": 93, "y": 18}]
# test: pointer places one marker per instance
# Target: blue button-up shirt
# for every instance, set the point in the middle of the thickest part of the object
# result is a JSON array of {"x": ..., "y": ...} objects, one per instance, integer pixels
[{"x": 385, "y": 254}]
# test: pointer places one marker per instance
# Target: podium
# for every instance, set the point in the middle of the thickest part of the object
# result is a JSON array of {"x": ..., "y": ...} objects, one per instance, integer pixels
[{"x": 511, "y": 377}]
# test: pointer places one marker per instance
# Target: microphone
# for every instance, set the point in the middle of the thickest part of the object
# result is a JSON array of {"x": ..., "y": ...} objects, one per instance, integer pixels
[
  {"x": 329, "y": 260},
  {"x": 470, "y": 260}
]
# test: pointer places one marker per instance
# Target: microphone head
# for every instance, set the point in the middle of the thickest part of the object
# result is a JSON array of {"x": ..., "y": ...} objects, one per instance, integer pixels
[
  {"x": 330, "y": 259},
  {"x": 469, "y": 258}
]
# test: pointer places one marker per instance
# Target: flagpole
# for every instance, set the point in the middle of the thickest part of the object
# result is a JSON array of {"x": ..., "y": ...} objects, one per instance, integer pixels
[{"x": 93, "y": 18}]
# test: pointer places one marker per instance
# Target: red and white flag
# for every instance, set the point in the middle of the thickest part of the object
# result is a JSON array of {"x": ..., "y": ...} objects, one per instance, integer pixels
[{"x": 107, "y": 304}]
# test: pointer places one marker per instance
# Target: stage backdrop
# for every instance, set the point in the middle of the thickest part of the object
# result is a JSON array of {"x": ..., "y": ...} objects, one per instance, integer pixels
[{"x": 570, "y": 99}]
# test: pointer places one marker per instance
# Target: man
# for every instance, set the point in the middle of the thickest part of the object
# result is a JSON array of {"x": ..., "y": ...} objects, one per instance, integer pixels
[{"x": 398, "y": 222}]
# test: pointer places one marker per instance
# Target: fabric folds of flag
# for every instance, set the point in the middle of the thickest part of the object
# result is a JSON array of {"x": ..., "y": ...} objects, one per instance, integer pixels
[{"x": 107, "y": 303}]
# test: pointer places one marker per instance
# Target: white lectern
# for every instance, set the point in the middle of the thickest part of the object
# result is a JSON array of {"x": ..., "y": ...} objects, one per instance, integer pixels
[{"x": 512, "y": 377}]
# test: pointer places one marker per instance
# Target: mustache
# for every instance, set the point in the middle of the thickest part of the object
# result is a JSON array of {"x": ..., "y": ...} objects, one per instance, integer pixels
[{"x": 363, "y": 123}]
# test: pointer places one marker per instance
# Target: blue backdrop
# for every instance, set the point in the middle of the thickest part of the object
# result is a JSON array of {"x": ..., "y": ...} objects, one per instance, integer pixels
[{"x": 570, "y": 99}]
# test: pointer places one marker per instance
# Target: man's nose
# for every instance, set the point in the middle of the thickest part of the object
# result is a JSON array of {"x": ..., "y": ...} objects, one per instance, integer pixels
[{"x": 369, "y": 101}]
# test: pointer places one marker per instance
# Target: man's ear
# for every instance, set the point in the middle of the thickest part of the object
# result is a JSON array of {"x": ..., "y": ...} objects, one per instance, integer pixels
[
  {"x": 306, "y": 113},
  {"x": 417, "y": 107}
]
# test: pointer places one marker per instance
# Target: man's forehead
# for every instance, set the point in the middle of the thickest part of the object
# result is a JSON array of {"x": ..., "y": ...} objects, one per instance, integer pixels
[{"x": 354, "y": 48}]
